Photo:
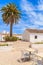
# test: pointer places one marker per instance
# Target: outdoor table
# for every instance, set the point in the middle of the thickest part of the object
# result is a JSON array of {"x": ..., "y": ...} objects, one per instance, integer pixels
[{"x": 30, "y": 50}]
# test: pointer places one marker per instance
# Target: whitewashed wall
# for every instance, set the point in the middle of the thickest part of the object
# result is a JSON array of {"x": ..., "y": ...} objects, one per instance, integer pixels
[
  {"x": 39, "y": 37},
  {"x": 25, "y": 36},
  {"x": 1, "y": 37},
  {"x": 31, "y": 37}
]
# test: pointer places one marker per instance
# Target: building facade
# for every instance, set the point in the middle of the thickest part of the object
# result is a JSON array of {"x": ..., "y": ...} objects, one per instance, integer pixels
[{"x": 33, "y": 35}]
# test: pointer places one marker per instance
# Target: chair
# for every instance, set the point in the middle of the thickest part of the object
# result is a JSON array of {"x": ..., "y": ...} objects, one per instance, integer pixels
[
  {"x": 37, "y": 60},
  {"x": 25, "y": 56},
  {"x": 40, "y": 62}
]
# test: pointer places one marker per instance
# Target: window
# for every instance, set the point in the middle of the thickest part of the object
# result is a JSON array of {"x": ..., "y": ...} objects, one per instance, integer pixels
[{"x": 35, "y": 37}]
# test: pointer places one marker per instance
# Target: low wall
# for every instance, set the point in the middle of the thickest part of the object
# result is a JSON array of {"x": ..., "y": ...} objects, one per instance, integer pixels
[
  {"x": 5, "y": 48},
  {"x": 37, "y": 45}
]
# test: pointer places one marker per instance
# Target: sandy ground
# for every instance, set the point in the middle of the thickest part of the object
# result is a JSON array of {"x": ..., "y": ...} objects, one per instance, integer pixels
[{"x": 11, "y": 57}]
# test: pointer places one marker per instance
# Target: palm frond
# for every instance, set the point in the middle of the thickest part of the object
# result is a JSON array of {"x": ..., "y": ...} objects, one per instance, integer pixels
[{"x": 10, "y": 12}]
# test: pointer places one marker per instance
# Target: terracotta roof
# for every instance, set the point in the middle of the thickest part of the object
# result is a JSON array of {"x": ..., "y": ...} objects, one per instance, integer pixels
[{"x": 34, "y": 31}]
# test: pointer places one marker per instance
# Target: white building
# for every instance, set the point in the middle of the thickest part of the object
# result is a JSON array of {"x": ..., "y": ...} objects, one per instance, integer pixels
[
  {"x": 2, "y": 35},
  {"x": 33, "y": 35}
]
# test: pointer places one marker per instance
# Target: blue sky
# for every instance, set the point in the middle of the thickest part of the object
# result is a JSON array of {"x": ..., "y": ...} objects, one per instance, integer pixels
[{"x": 32, "y": 15}]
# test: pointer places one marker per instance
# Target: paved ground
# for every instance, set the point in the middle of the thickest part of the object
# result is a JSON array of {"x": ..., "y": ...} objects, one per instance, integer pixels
[{"x": 11, "y": 57}]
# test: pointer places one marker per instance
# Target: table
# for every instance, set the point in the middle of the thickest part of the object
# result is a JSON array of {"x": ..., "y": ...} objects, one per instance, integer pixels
[{"x": 30, "y": 50}]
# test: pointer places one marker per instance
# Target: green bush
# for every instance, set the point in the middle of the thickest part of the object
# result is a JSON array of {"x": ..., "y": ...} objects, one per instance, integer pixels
[
  {"x": 38, "y": 43},
  {"x": 3, "y": 44},
  {"x": 19, "y": 38},
  {"x": 8, "y": 38}
]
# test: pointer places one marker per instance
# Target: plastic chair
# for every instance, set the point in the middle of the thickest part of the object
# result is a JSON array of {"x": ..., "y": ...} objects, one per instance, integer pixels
[
  {"x": 25, "y": 56},
  {"x": 40, "y": 62}
]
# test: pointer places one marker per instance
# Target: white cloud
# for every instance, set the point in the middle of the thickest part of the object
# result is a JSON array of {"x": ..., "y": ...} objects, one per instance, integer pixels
[
  {"x": 40, "y": 6},
  {"x": 0, "y": 16},
  {"x": 31, "y": 16},
  {"x": 35, "y": 18}
]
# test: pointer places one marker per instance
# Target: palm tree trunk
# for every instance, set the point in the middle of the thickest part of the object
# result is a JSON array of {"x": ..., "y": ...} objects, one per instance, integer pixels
[{"x": 11, "y": 29}]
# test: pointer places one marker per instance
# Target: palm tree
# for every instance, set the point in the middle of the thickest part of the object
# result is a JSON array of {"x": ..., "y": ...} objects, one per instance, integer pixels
[{"x": 10, "y": 15}]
